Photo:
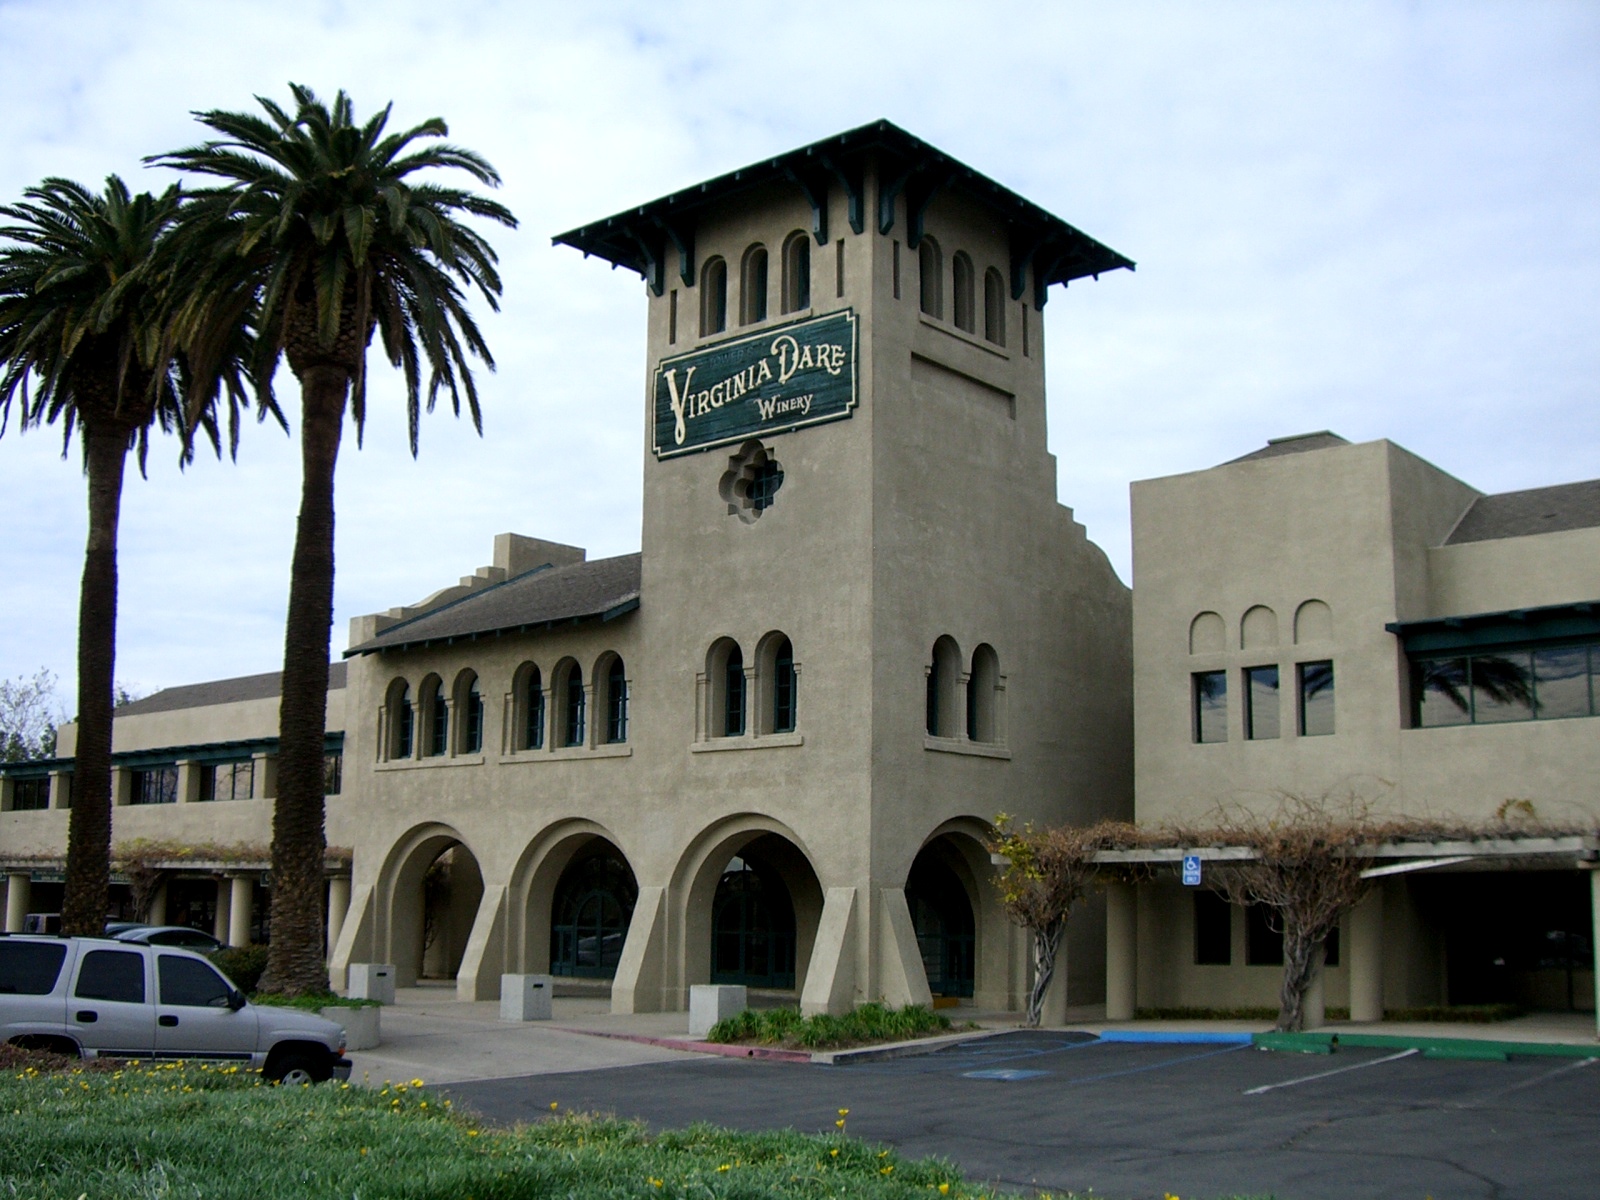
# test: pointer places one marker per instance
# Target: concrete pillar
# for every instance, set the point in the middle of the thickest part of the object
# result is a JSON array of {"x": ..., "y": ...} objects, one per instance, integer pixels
[
  {"x": 338, "y": 905},
  {"x": 19, "y": 892},
  {"x": 641, "y": 981},
  {"x": 1315, "y": 1005},
  {"x": 1122, "y": 951},
  {"x": 264, "y": 786},
  {"x": 219, "y": 922},
  {"x": 1594, "y": 933},
  {"x": 830, "y": 982},
  {"x": 1366, "y": 958},
  {"x": 60, "y": 789},
  {"x": 189, "y": 773},
  {"x": 158, "y": 906},
  {"x": 241, "y": 909},
  {"x": 902, "y": 979}
]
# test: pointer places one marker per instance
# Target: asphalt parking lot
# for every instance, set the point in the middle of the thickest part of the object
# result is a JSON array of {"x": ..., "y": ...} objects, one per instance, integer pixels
[{"x": 1064, "y": 1111}]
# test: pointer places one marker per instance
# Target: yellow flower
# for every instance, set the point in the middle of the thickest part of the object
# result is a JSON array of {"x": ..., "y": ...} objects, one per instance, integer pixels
[
  {"x": 834, "y": 1152},
  {"x": 724, "y": 1167},
  {"x": 944, "y": 1189},
  {"x": 416, "y": 1083},
  {"x": 654, "y": 1182},
  {"x": 363, "y": 1152},
  {"x": 554, "y": 1104},
  {"x": 844, "y": 1112},
  {"x": 889, "y": 1170}
]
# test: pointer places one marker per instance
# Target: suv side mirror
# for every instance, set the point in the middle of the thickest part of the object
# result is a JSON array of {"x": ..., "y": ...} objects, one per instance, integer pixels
[{"x": 236, "y": 1000}]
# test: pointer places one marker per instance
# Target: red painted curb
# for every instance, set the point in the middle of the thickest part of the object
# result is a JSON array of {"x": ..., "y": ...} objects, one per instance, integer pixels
[{"x": 726, "y": 1051}]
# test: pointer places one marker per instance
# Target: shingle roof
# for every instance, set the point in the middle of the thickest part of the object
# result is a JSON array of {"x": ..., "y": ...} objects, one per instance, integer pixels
[
  {"x": 605, "y": 588},
  {"x": 1297, "y": 443},
  {"x": 1537, "y": 510},
  {"x": 221, "y": 691}
]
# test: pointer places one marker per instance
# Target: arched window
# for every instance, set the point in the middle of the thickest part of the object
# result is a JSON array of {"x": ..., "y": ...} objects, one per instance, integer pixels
[
  {"x": 797, "y": 272},
  {"x": 402, "y": 718},
  {"x": 930, "y": 264},
  {"x": 944, "y": 689},
  {"x": 589, "y": 917},
  {"x": 994, "y": 307},
  {"x": 961, "y": 292},
  {"x": 572, "y": 707},
  {"x": 469, "y": 710},
  {"x": 530, "y": 708},
  {"x": 753, "y": 286},
  {"x": 785, "y": 689},
  {"x": 616, "y": 702},
  {"x": 435, "y": 718},
  {"x": 725, "y": 690},
  {"x": 713, "y": 297},
  {"x": 733, "y": 694},
  {"x": 983, "y": 686}
]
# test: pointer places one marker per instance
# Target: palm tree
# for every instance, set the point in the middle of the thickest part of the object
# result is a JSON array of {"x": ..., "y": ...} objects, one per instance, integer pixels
[
  {"x": 319, "y": 217},
  {"x": 84, "y": 344}
]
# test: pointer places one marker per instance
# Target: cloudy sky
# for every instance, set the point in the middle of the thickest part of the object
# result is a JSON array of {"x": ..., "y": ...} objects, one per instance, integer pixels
[{"x": 1378, "y": 218}]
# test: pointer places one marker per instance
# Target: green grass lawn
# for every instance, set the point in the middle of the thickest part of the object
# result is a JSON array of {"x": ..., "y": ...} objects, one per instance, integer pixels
[{"x": 196, "y": 1131}]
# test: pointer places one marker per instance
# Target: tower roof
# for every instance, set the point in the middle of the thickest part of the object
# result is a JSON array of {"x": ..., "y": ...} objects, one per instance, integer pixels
[{"x": 639, "y": 238}]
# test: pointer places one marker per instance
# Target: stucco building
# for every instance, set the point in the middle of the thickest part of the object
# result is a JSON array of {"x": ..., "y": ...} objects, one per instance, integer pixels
[{"x": 766, "y": 748}]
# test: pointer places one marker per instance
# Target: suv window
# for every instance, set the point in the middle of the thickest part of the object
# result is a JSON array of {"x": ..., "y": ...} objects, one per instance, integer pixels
[
  {"x": 188, "y": 939},
  {"x": 30, "y": 968},
  {"x": 191, "y": 984},
  {"x": 112, "y": 975}
]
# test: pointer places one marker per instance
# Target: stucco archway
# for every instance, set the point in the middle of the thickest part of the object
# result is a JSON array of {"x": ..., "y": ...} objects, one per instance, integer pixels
[
  {"x": 430, "y": 891},
  {"x": 967, "y": 943},
  {"x": 579, "y": 862}
]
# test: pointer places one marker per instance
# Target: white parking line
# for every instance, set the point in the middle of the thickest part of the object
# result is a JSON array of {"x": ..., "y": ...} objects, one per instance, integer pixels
[
  {"x": 1256, "y": 1091},
  {"x": 1527, "y": 1083}
]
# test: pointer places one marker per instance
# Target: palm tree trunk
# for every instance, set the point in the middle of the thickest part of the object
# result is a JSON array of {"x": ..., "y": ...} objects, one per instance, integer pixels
[
  {"x": 295, "y": 961},
  {"x": 88, "y": 876}
]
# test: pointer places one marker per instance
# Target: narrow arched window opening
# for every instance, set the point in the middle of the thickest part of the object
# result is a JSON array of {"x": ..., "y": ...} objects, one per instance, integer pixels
[
  {"x": 472, "y": 720},
  {"x": 797, "y": 273},
  {"x": 753, "y": 286},
  {"x": 944, "y": 700},
  {"x": 930, "y": 264},
  {"x": 437, "y": 716},
  {"x": 785, "y": 689},
  {"x": 713, "y": 297},
  {"x": 532, "y": 710},
  {"x": 573, "y": 722},
  {"x": 733, "y": 694},
  {"x": 402, "y": 720},
  {"x": 961, "y": 292},
  {"x": 994, "y": 307},
  {"x": 616, "y": 702},
  {"x": 983, "y": 686}
]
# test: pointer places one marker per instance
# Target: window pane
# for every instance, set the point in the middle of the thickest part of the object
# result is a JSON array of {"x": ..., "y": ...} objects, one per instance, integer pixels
[
  {"x": 1213, "y": 930},
  {"x": 29, "y": 968},
  {"x": 1263, "y": 945},
  {"x": 1316, "y": 699},
  {"x": 1561, "y": 682},
  {"x": 1211, "y": 706},
  {"x": 333, "y": 773},
  {"x": 112, "y": 975},
  {"x": 1502, "y": 687},
  {"x": 189, "y": 983},
  {"x": 1439, "y": 686},
  {"x": 1261, "y": 701}
]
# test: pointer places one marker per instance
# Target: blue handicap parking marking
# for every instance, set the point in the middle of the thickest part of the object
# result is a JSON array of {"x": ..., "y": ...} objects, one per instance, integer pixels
[{"x": 1003, "y": 1074}]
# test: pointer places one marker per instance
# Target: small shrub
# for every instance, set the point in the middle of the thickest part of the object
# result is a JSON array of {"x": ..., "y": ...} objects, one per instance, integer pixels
[
  {"x": 869, "y": 1023},
  {"x": 242, "y": 964},
  {"x": 1474, "y": 1014}
]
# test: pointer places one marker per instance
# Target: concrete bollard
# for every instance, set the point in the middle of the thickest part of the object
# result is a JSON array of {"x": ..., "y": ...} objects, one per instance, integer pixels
[
  {"x": 371, "y": 981},
  {"x": 362, "y": 1027},
  {"x": 713, "y": 1002},
  {"x": 526, "y": 997}
]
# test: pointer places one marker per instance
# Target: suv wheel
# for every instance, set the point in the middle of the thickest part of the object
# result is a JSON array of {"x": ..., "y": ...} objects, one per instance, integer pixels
[{"x": 297, "y": 1067}]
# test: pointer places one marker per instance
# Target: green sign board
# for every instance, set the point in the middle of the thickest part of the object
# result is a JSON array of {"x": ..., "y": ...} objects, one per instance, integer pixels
[{"x": 758, "y": 385}]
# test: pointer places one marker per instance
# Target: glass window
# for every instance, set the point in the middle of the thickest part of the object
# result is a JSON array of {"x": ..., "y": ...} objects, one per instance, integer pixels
[
  {"x": 785, "y": 689},
  {"x": 1261, "y": 703},
  {"x": 333, "y": 773},
  {"x": 405, "y": 724},
  {"x": 1210, "y": 706},
  {"x": 116, "y": 975},
  {"x": 227, "y": 781},
  {"x": 472, "y": 737},
  {"x": 764, "y": 485},
  {"x": 1561, "y": 682},
  {"x": 733, "y": 695},
  {"x": 713, "y": 297},
  {"x": 1502, "y": 687},
  {"x": 616, "y": 702},
  {"x": 30, "y": 968},
  {"x": 190, "y": 983},
  {"x": 1213, "y": 930},
  {"x": 155, "y": 785},
  {"x": 30, "y": 793},
  {"x": 438, "y": 721},
  {"x": 573, "y": 733},
  {"x": 1440, "y": 692},
  {"x": 933, "y": 697},
  {"x": 533, "y": 712},
  {"x": 1263, "y": 944},
  {"x": 1315, "y": 683}
]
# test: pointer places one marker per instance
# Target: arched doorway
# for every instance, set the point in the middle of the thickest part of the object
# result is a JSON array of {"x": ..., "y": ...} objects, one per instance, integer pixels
[
  {"x": 433, "y": 890},
  {"x": 589, "y": 916},
  {"x": 752, "y": 925},
  {"x": 941, "y": 914}
]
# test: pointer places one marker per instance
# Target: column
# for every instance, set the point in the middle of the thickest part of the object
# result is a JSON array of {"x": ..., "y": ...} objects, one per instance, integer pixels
[
  {"x": 338, "y": 905},
  {"x": 19, "y": 891},
  {"x": 60, "y": 789},
  {"x": 219, "y": 921},
  {"x": 158, "y": 906},
  {"x": 241, "y": 908},
  {"x": 1594, "y": 932},
  {"x": 1366, "y": 957},
  {"x": 265, "y": 785},
  {"x": 188, "y": 781},
  {"x": 1122, "y": 951}
]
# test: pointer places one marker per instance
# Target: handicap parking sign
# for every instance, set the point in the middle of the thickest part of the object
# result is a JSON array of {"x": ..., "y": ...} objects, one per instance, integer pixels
[{"x": 1191, "y": 870}]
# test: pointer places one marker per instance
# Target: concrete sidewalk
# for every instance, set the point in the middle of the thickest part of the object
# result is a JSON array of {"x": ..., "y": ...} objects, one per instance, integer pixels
[{"x": 430, "y": 1035}]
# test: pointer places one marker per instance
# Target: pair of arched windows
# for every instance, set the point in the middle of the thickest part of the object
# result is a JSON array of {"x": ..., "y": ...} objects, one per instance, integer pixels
[
  {"x": 430, "y": 725},
  {"x": 963, "y": 281},
  {"x": 964, "y": 702},
  {"x": 794, "y": 290},
  {"x": 566, "y": 699},
  {"x": 760, "y": 698}
]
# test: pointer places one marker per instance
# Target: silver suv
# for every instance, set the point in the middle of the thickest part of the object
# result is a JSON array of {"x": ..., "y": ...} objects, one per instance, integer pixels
[{"x": 96, "y": 997}]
